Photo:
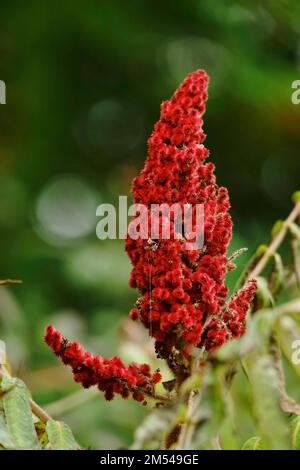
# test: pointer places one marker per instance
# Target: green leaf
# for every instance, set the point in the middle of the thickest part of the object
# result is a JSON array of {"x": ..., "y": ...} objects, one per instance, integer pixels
[
  {"x": 276, "y": 228},
  {"x": 18, "y": 414},
  {"x": 5, "y": 437},
  {"x": 277, "y": 274},
  {"x": 211, "y": 413},
  {"x": 272, "y": 422},
  {"x": 295, "y": 424},
  {"x": 296, "y": 197},
  {"x": 294, "y": 230},
  {"x": 60, "y": 436},
  {"x": 288, "y": 335},
  {"x": 263, "y": 294},
  {"x": 254, "y": 443}
]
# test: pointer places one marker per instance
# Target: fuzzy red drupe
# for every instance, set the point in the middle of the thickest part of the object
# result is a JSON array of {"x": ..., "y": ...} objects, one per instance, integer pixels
[{"x": 183, "y": 297}]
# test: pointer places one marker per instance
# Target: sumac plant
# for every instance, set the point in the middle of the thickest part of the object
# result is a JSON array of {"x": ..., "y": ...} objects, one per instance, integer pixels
[{"x": 205, "y": 334}]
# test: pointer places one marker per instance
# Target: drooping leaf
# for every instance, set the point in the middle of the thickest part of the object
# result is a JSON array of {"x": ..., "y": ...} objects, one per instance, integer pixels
[
  {"x": 271, "y": 420},
  {"x": 211, "y": 413},
  {"x": 254, "y": 443},
  {"x": 295, "y": 425},
  {"x": 5, "y": 437},
  {"x": 277, "y": 275},
  {"x": 264, "y": 296},
  {"x": 294, "y": 230},
  {"x": 288, "y": 337},
  {"x": 18, "y": 413},
  {"x": 60, "y": 436}
]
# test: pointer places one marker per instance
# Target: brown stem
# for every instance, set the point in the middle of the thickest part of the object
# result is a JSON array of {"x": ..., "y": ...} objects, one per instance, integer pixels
[
  {"x": 272, "y": 248},
  {"x": 39, "y": 411},
  {"x": 4, "y": 282},
  {"x": 188, "y": 426}
]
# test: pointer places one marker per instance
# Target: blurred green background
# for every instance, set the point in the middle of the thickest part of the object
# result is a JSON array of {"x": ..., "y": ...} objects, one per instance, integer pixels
[{"x": 84, "y": 84}]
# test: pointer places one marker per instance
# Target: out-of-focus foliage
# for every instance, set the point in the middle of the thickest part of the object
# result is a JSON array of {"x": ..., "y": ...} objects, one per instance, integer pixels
[{"x": 84, "y": 84}]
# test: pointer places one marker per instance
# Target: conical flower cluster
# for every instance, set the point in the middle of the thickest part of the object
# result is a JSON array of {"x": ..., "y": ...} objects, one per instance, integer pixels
[
  {"x": 183, "y": 294},
  {"x": 183, "y": 297}
]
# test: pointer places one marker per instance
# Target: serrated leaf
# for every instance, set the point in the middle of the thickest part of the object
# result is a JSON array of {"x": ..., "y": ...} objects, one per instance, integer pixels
[
  {"x": 18, "y": 414},
  {"x": 5, "y": 437},
  {"x": 60, "y": 436},
  {"x": 254, "y": 443},
  {"x": 295, "y": 425}
]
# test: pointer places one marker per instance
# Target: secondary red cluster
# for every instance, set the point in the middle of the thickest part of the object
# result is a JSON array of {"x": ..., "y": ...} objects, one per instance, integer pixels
[
  {"x": 183, "y": 295},
  {"x": 109, "y": 375},
  {"x": 232, "y": 322}
]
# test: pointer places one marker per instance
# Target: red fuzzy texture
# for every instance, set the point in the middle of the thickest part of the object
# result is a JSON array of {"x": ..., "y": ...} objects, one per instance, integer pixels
[
  {"x": 110, "y": 375},
  {"x": 183, "y": 301},
  {"x": 183, "y": 294}
]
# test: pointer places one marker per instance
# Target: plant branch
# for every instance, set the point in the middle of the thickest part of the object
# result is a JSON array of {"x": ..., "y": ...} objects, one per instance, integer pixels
[
  {"x": 188, "y": 426},
  {"x": 276, "y": 242},
  {"x": 39, "y": 411},
  {"x": 4, "y": 282}
]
